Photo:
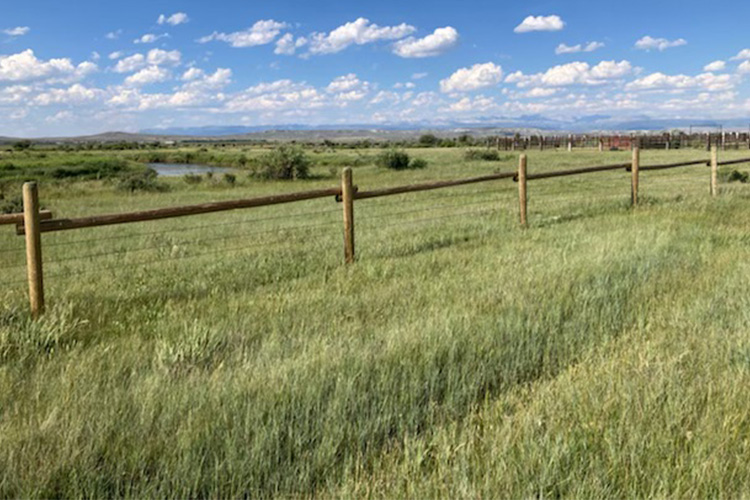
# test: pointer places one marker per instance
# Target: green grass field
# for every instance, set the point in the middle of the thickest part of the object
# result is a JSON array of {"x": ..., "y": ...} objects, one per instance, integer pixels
[{"x": 602, "y": 352}]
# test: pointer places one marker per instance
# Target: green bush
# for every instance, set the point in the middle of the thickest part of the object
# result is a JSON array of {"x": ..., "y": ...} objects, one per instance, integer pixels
[
  {"x": 11, "y": 205},
  {"x": 736, "y": 176},
  {"x": 481, "y": 155},
  {"x": 192, "y": 179},
  {"x": 418, "y": 163},
  {"x": 393, "y": 159},
  {"x": 284, "y": 163},
  {"x": 142, "y": 181},
  {"x": 230, "y": 179}
]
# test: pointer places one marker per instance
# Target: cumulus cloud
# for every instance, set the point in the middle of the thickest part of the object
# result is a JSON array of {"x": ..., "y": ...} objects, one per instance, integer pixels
[
  {"x": 287, "y": 45},
  {"x": 715, "y": 66},
  {"x": 154, "y": 57},
  {"x": 660, "y": 44},
  {"x": 359, "y": 32},
  {"x": 113, "y": 35},
  {"x": 540, "y": 23},
  {"x": 742, "y": 55},
  {"x": 174, "y": 19},
  {"x": 275, "y": 96},
  {"x": 25, "y": 66},
  {"x": 116, "y": 55},
  {"x": 476, "y": 77},
  {"x": 17, "y": 31},
  {"x": 573, "y": 49},
  {"x": 75, "y": 94},
  {"x": 150, "y": 38},
  {"x": 148, "y": 75},
  {"x": 744, "y": 68},
  {"x": 440, "y": 41},
  {"x": 704, "y": 81},
  {"x": 575, "y": 73},
  {"x": 260, "y": 33}
]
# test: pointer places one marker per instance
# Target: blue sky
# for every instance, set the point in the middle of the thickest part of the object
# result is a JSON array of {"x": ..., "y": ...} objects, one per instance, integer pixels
[{"x": 93, "y": 66}]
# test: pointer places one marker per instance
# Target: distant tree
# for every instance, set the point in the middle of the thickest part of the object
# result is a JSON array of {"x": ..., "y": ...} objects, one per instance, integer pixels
[
  {"x": 428, "y": 140},
  {"x": 21, "y": 145}
]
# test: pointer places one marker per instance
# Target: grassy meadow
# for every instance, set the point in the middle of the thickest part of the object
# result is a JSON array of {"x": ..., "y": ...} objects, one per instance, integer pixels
[{"x": 602, "y": 352}]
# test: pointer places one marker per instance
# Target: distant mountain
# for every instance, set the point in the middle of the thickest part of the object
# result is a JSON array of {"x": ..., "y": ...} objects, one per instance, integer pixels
[{"x": 479, "y": 127}]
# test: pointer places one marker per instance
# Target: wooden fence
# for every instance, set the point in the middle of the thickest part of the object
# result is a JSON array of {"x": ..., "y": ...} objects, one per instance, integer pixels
[
  {"x": 34, "y": 222},
  {"x": 664, "y": 141}
]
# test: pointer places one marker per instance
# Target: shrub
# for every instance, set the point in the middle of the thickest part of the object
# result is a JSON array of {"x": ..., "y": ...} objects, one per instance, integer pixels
[
  {"x": 285, "y": 162},
  {"x": 736, "y": 176},
  {"x": 393, "y": 159},
  {"x": 482, "y": 155},
  {"x": 428, "y": 140},
  {"x": 418, "y": 163},
  {"x": 193, "y": 179},
  {"x": 11, "y": 206},
  {"x": 230, "y": 179},
  {"x": 142, "y": 181}
]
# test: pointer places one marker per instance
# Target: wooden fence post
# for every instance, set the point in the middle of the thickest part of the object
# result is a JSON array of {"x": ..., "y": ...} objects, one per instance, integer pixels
[
  {"x": 522, "y": 200},
  {"x": 714, "y": 170},
  {"x": 570, "y": 143},
  {"x": 347, "y": 197},
  {"x": 33, "y": 248},
  {"x": 634, "y": 176}
]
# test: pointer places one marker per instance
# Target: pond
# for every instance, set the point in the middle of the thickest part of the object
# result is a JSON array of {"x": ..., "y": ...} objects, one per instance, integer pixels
[{"x": 180, "y": 169}]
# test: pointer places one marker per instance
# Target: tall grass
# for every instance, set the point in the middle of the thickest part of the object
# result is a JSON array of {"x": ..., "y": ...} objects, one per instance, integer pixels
[{"x": 593, "y": 354}]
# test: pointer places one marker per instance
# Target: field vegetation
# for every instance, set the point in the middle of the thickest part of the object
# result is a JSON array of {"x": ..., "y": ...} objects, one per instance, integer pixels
[{"x": 602, "y": 352}]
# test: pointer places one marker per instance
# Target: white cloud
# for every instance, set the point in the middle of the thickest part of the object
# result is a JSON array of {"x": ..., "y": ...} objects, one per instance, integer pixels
[
  {"x": 568, "y": 49},
  {"x": 75, "y": 94},
  {"x": 404, "y": 85},
  {"x": 113, "y": 35},
  {"x": 150, "y": 38},
  {"x": 649, "y": 43},
  {"x": 440, "y": 41},
  {"x": 479, "y": 103},
  {"x": 260, "y": 33},
  {"x": 704, "y": 81},
  {"x": 17, "y": 31},
  {"x": 154, "y": 57},
  {"x": 359, "y": 32},
  {"x": 418, "y": 76},
  {"x": 477, "y": 77},
  {"x": 130, "y": 63},
  {"x": 25, "y": 66},
  {"x": 344, "y": 83},
  {"x": 174, "y": 19},
  {"x": 151, "y": 74},
  {"x": 715, "y": 66},
  {"x": 742, "y": 55},
  {"x": 287, "y": 45},
  {"x": 198, "y": 80},
  {"x": 275, "y": 96},
  {"x": 159, "y": 57},
  {"x": 540, "y": 23},
  {"x": 574, "y": 73},
  {"x": 744, "y": 68},
  {"x": 116, "y": 55}
]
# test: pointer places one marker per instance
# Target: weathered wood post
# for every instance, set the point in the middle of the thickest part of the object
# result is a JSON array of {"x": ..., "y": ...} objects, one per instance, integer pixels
[
  {"x": 34, "y": 269},
  {"x": 570, "y": 143},
  {"x": 714, "y": 170},
  {"x": 541, "y": 143},
  {"x": 522, "y": 200},
  {"x": 347, "y": 197},
  {"x": 601, "y": 144},
  {"x": 634, "y": 176}
]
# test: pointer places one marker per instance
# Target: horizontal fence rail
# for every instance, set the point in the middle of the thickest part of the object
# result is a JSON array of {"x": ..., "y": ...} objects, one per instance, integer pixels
[
  {"x": 18, "y": 218},
  {"x": 33, "y": 222},
  {"x": 171, "y": 212}
]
